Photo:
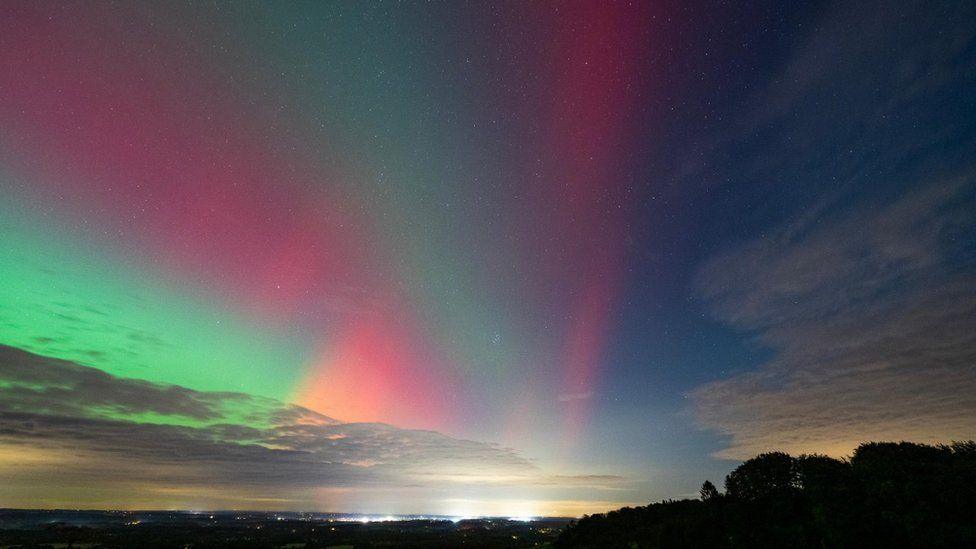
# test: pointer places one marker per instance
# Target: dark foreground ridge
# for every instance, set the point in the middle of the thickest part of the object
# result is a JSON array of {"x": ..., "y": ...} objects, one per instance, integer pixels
[
  {"x": 885, "y": 495},
  {"x": 22, "y": 528}
]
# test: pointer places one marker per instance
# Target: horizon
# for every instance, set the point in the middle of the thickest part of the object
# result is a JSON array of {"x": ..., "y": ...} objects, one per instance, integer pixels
[
  {"x": 373, "y": 517},
  {"x": 346, "y": 515},
  {"x": 379, "y": 516},
  {"x": 494, "y": 259}
]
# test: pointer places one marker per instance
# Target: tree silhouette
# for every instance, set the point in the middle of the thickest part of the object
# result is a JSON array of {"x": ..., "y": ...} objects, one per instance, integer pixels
[
  {"x": 886, "y": 495},
  {"x": 764, "y": 476},
  {"x": 708, "y": 491}
]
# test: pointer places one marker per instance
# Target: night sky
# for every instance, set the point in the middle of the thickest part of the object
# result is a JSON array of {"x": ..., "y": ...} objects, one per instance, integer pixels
[{"x": 517, "y": 258}]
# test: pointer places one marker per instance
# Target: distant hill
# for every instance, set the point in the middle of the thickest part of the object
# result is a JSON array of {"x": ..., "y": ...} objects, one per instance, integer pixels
[{"x": 886, "y": 495}]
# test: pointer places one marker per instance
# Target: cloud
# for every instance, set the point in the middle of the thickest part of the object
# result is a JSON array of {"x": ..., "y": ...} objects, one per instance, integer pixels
[
  {"x": 42, "y": 385},
  {"x": 869, "y": 97},
  {"x": 52, "y": 409},
  {"x": 872, "y": 318}
]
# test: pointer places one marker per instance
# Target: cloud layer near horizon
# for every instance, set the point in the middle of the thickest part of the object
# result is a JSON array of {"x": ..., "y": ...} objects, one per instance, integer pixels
[
  {"x": 872, "y": 321},
  {"x": 64, "y": 425}
]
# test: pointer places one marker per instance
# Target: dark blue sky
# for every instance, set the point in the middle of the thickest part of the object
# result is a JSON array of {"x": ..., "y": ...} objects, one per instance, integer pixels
[{"x": 804, "y": 114}]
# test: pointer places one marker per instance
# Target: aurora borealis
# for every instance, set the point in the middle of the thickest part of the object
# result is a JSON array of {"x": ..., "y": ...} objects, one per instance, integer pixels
[{"x": 473, "y": 258}]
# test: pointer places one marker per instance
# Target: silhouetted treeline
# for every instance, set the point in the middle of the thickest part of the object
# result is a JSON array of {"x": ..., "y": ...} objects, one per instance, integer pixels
[{"x": 885, "y": 495}]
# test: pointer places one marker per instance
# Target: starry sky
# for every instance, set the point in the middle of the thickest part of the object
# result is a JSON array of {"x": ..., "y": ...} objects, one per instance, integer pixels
[{"x": 475, "y": 258}]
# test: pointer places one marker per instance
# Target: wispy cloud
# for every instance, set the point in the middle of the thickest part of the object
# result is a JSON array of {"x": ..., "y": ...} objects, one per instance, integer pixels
[
  {"x": 865, "y": 297},
  {"x": 872, "y": 317}
]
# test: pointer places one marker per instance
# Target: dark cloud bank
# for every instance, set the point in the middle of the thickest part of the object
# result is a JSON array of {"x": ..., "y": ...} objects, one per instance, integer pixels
[{"x": 65, "y": 424}]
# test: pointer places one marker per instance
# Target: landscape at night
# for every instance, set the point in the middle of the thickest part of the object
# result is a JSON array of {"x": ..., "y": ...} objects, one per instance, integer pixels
[{"x": 491, "y": 274}]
